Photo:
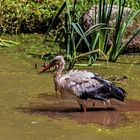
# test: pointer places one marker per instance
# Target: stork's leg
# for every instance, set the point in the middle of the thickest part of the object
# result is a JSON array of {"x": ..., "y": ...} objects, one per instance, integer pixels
[
  {"x": 85, "y": 105},
  {"x": 62, "y": 95},
  {"x": 56, "y": 89},
  {"x": 104, "y": 103},
  {"x": 56, "y": 93},
  {"x": 80, "y": 104},
  {"x": 93, "y": 104},
  {"x": 108, "y": 101},
  {"x": 81, "y": 107}
]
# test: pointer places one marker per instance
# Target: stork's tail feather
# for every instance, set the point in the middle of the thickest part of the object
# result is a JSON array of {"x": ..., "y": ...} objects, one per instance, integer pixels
[
  {"x": 118, "y": 93},
  {"x": 110, "y": 90}
]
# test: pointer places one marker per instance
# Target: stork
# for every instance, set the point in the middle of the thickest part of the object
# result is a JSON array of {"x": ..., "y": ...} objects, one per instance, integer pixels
[{"x": 83, "y": 85}]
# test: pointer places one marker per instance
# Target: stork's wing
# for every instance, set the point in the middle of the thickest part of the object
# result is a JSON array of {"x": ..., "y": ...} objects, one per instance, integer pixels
[
  {"x": 88, "y": 85},
  {"x": 109, "y": 90},
  {"x": 83, "y": 84}
]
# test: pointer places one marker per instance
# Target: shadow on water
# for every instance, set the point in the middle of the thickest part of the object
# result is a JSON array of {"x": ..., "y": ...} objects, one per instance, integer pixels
[{"x": 100, "y": 114}]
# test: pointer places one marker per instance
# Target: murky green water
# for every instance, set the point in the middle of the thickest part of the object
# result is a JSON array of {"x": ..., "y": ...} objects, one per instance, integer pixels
[{"x": 20, "y": 86}]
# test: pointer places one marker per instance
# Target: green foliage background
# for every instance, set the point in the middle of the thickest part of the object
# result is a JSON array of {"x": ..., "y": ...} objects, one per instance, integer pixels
[
  {"x": 29, "y": 16},
  {"x": 26, "y": 16}
]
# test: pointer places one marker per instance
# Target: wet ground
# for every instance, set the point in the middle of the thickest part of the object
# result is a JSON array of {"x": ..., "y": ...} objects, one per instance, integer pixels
[
  {"x": 29, "y": 110},
  {"x": 102, "y": 114}
]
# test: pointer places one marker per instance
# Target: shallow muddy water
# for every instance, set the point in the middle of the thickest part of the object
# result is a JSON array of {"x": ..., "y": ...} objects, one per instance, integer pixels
[{"x": 29, "y": 110}]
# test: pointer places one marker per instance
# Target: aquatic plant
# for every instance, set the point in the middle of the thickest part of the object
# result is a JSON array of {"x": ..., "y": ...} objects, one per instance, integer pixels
[
  {"x": 38, "y": 16},
  {"x": 96, "y": 39},
  {"x": 113, "y": 42},
  {"x": 121, "y": 25},
  {"x": 74, "y": 35}
]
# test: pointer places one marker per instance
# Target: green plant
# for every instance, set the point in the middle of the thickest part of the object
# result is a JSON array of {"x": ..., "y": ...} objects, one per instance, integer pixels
[
  {"x": 7, "y": 43},
  {"x": 134, "y": 4},
  {"x": 74, "y": 35},
  {"x": 117, "y": 33},
  {"x": 96, "y": 38},
  {"x": 26, "y": 16},
  {"x": 122, "y": 23},
  {"x": 77, "y": 30}
]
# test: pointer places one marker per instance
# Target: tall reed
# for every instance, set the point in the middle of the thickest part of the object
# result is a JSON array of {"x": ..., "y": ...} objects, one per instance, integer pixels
[{"x": 96, "y": 39}]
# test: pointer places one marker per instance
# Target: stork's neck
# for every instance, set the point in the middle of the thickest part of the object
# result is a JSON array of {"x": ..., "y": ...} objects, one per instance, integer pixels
[
  {"x": 58, "y": 73},
  {"x": 59, "y": 70}
]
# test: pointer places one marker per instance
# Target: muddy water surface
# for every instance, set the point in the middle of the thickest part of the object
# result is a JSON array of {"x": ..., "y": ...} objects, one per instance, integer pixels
[
  {"x": 29, "y": 110},
  {"x": 104, "y": 115}
]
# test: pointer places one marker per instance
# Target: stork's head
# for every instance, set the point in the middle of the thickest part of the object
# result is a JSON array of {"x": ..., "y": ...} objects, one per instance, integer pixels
[{"x": 58, "y": 62}]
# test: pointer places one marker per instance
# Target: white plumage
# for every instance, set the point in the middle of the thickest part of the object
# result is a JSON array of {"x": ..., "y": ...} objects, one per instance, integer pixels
[{"x": 83, "y": 84}]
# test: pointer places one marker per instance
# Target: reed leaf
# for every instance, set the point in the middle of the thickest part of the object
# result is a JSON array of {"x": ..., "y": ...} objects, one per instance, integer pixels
[
  {"x": 132, "y": 16},
  {"x": 7, "y": 43},
  {"x": 54, "y": 20},
  {"x": 80, "y": 31}
]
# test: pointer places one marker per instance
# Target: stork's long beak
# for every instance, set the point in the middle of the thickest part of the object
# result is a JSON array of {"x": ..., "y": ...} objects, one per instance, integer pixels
[{"x": 45, "y": 68}]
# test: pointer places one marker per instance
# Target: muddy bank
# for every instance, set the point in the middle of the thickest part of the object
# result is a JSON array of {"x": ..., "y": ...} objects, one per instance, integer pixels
[{"x": 104, "y": 115}]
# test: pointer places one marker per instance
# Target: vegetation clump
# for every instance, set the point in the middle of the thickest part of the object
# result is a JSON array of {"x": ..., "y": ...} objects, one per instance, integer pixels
[
  {"x": 62, "y": 21},
  {"x": 26, "y": 16}
]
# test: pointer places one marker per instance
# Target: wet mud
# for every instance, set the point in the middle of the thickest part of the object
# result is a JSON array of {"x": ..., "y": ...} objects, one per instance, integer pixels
[{"x": 101, "y": 114}]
